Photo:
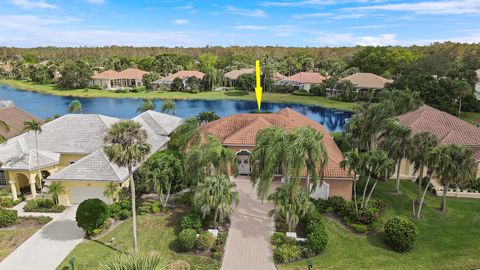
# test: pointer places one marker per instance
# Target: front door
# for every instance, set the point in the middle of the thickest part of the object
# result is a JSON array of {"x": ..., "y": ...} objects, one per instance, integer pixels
[{"x": 243, "y": 162}]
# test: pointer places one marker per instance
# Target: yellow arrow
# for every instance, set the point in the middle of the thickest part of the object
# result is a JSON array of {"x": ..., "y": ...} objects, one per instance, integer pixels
[{"x": 258, "y": 88}]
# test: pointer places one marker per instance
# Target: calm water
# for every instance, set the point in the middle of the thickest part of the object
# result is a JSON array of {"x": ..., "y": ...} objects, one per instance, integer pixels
[{"x": 44, "y": 106}]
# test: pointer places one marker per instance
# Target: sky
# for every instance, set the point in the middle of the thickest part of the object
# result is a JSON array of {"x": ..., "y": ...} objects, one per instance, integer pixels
[{"x": 171, "y": 23}]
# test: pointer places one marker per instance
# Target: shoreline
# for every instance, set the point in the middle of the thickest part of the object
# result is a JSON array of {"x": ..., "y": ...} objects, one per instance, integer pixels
[{"x": 51, "y": 89}]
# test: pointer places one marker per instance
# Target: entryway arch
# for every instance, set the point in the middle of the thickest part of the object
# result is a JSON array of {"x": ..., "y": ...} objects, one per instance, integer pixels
[{"x": 243, "y": 162}]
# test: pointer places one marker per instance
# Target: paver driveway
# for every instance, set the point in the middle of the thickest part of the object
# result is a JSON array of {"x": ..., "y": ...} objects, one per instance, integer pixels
[
  {"x": 47, "y": 248},
  {"x": 248, "y": 245}
]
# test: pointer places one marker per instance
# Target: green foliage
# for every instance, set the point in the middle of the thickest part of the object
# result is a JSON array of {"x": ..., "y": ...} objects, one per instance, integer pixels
[
  {"x": 317, "y": 239},
  {"x": 280, "y": 238},
  {"x": 286, "y": 253},
  {"x": 43, "y": 205},
  {"x": 185, "y": 198},
  {"x": 92, "y": 214},
  {"x": 75, "y": 75},
  {"x": 131, "y": 261},
  {"x": 205, "y": 241},
  {"x": 8, "y": 202},
  {"x": 186, "y": 239},
  {"x": 246, "y": 82},
  {"x": 146, "y": 105},
  {"x": 359, "y": 228},
  {"x": 191, "y": 221},
  {"x": 400, "y": 234},
  {"x": 56, "y": 189},
  {"x": 206, "y": 117},
  {"x": 7, "y": 217},
  {"x": 121, "y": 210},
  {"x": 148, "y": 78},
  {"x": 177, "y": 85},
  {"x": 221, "y": 239}
]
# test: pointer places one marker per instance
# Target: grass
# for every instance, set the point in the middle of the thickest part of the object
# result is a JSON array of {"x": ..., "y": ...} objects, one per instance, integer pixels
[
  {"x": 155, "y": 233},
  {"x": 231, "y": 94},
  {"x": 448, "y": 241},
  {"x": 470, "y": 116}
]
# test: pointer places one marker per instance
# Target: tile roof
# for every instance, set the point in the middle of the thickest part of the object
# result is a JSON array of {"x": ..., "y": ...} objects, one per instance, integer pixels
[
  {"x": 234, "y": 74},
  {"x": 306, "y": 77},
  {"x": 367, "y": 80},
  {"x": 129, "y": 73},
  {"x": 15, "y": 118},
  {"x": 183, "y": 74},
  {"x": 242, "y": 129},
  {"x": 447, "y": 128}
]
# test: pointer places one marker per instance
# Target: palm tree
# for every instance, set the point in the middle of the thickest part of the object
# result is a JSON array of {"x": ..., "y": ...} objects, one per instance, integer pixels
[
  {"x": 418, "y": 154},
  {"x": 131, "y": 260},
  {"x": 111, "y": 190},
  {"x": 305, "y": 151},
  {"x": 6, "y": 128},
  {"x": 186, "y": 135},
  {"x": 56, "y": 189},
  {"x": 432, "y": 163},
  {"x": 455, "y": 165},
  {"x": 354, "y": 163},
  {"x": 126, "y": 147},
  {"x": 215, "y": 194},
  {"x": 147, "y": 105},
  {"x": 169, "y": 106},
  {"x": 205, "y": 117},
  {"x": 397, "y": 140},
  {"x": 291, "y": 204},
  {"x": 37, "y": 129},
  {"x": 75, "y": 106},
  {"x": 380, "y": 166}
]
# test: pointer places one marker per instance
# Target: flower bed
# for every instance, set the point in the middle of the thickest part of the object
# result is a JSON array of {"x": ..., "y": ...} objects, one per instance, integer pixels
[{"x": 43, "y": 206}]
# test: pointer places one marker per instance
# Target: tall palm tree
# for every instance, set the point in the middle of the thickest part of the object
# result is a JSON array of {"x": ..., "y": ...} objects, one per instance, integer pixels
[
  {"x": 126, "y": 147},
  {"x": 147, "y": 105},
  {"x": 432, "y": 163},
  {"x": 306, "y": 152},
  {"x": 380, "y": 166},
  {"x": 419, "y": 152},
  {"x": 186, "y": 135},
  {"x": 6, "y": 128},
  {"x": 291, "y": 204},
  {"x": 455, "y": 165},
  {"x": 354, "y": 163},
  {"x": 37, "y": 129},
  {"x": 169, "y": 106},
  {"x": 75, "y": 106},
  {"x": 215, "y": 194},
  {"x": 397, "y": 140},
  {"x": 205, "y": 117},
  {"x": 111, "y": 190},
  {"x": 56, "y": 189}
]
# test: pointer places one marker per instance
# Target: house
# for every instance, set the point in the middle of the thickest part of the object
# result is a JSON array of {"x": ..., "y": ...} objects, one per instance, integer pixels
[
  {"x": 6, "y": 70},
  {"x": 302, "y": 80},
  {"x": 70, "y": 151},
  {"x": 233, "y": 75},
  {"x": 112, "y": 80},
  {"x": 238, "y": 132},
  {"x": 363, "y": 82},
  {"x": 183, "y": 74},
  {"x": 477, "y": 85},
  {"x": 447, "y": 128}
]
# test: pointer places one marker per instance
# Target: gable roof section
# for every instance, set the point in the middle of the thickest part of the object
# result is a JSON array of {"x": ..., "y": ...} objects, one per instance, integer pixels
[
  {"x": 15, "y": 118},
  {"x": 306, "y": 77},
  {"x": 447, "y": 128},
  {"x": 234, "y": 74},
  {"x": 129, "y": 73},
  {"x": 183, "y": 74},
  {"x": 367, "y": 80}
]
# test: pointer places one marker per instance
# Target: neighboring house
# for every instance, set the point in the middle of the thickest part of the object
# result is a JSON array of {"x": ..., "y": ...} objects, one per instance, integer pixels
[
  {"x": 447, "y": 128},
  {"x": 15, "y": 118},
  {"x": 233, "y": 75},
  {"x": 302, "y": 80},
  {"x": 6, "y": 70},
  {"x": 363, "y": 82},
  {"x": 71, "y": 152},
  {"x": 183, "y": 74},
  {"x": 238, "y": 132},
  {"x": 112, "y": 80},
  {"x": 477, "y": 85}
]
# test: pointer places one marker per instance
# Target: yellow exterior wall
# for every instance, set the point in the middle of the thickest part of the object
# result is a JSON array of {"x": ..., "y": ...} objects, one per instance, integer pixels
[
  {"x": 65, "y": 160},
  {"x": 66, "y": 198}
]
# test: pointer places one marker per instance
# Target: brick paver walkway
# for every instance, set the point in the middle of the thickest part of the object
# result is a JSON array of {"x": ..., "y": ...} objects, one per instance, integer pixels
[{"x": 248, "y": 245}]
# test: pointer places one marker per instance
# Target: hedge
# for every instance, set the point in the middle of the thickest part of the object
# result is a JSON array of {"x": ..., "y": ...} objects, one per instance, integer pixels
[{"x": 7, "y": 217}]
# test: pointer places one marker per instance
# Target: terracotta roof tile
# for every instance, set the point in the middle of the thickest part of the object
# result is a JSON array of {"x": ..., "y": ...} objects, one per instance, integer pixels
[
  {"x": 15, "y": 117},
  {"x": 129, "y": 73},
  {"x": 234, "y": 74},
  {"x": 185, "y": 74},
  {"x": 367, "y": 80},
  {"x": 306, "y": 77}
]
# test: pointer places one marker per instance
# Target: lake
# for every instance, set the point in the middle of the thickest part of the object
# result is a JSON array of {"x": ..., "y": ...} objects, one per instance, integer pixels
[{"x": 43, "y": 105}]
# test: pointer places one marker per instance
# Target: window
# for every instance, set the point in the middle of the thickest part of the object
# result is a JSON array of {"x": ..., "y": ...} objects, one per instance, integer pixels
[{"x": 3, "y": 179}]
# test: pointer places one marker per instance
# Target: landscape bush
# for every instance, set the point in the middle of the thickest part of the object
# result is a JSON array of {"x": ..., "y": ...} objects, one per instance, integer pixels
[
  {"x": 221, "y": 239},
  {"x": 311, "y": 220},
  {"x": 287, "y": 253},
  {"x": 186, "y": 239},
  {"x": 43, "y": 205},
  {"x": 317, "y": 239},
  {"x": 400, "y": 234},
  {"x": 120, "y": 210},
  {"x": 8, "y": 202},
  {"x": 205, "y": 241},
  {"x": 92, "y": 215},
  {"x": 185, "y": 199},
  {"x": 7, "y": 217},
  {"x": 191, "y": 221},
  {"x": 359, "y": 228}
]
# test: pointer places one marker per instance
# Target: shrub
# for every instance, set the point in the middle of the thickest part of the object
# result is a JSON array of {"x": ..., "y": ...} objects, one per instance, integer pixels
[
  {"x": 92, "y": 214},
  {"x": 338, "y": 203},
  {"x": 7, "y": 217},
  {"x": 186, "y": 239},
  {"x": 221, "y": 239},
  {"x": 8, "y": 202},
  {"x": 185, "y": 199},
  {"x": 323, "y": 206},
  {"x": 366, "y": 216},
  {"x": 205, "y": 241},
  {"x": 43, "y": 205},
  {"x": 287, "y": 253},
  {"x": 217, "y": 255},
  {"x": 191, "y": 221},
  {"x": 317, "y": 239},
  {"x": 311, "y": 220},
  {"x": 124, "y": 214},
  {"x": 150, "y": 261},
  {"x": 400, "y": 234},
  {"x": 121, "y": 209},
  {"x": 359, "y": 228},
  {"x": 179, "y": 265}
]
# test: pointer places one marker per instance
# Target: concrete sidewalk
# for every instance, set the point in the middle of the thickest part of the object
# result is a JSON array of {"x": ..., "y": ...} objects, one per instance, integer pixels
[{"x": 47, "y": 248}]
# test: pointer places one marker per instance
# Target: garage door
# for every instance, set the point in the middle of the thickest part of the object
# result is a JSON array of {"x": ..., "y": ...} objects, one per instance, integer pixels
[{"x": 80, "y": 194}]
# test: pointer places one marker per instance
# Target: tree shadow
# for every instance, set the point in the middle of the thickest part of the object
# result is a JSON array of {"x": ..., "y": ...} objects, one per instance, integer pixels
[
  {"x": 236, "y": 93},
  {"x": 62, "y": 230}
]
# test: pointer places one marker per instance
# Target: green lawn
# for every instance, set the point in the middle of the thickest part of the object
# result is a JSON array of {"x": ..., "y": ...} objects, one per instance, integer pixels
[
  {"x": 155, "y": 233},
  {"x": 470, "y": 116},
  {"x": 446, "y": 242},
  {"x": 232, "y": 94}
]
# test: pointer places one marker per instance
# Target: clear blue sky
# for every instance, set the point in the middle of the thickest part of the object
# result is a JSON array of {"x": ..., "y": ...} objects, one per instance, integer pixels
[{"x": 30, "y": 23}]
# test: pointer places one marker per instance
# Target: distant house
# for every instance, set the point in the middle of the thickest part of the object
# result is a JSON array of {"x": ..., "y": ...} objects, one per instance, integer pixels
[
  {"x": 364, "y": 82},
  {"x": 6, "y": 70},
  {"x": 302, "y": 80},
  {"x": 183, "y": 74},
  {"x": 477, "y": 86},
  {"x": 112, "y": 80},
  {"x": 233, "y": 75}
]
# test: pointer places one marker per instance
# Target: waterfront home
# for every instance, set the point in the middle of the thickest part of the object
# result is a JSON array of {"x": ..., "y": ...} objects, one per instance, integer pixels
[
  {"x": 232, "y": 76},
  {"x": 302, "y": 80},
  {"x": 6, "y": 70},
  {"x": 363, "y": 82},
  {"x": 477, "y": 85},
  {"x": 112, "y": 80},
  {"x": 184, "y": 75},
  {"x": 447, "y": 128},
  {"x": 238, "y": 132},
  {"x": 70, "y": 151}
]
